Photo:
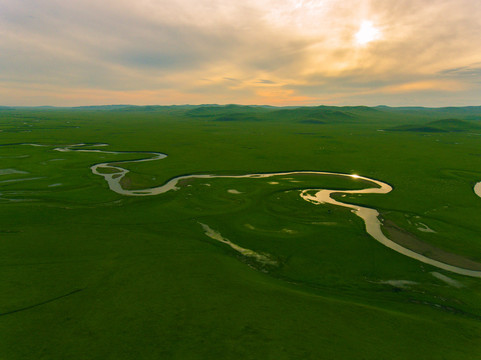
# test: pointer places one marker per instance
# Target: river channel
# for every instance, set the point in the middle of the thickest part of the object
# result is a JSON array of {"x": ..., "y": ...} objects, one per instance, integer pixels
[{"x": 113, "y": 173}]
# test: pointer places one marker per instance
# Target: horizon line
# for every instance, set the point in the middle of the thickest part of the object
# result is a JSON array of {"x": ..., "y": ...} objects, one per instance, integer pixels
[{"x": 232, "y": 104}]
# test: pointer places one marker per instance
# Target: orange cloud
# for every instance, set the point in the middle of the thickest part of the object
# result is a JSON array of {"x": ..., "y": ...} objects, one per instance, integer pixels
[
  {"x": 429, "y": 85},
  {"x": 38, "y": 94},
  {"x": 282, "y": 97}
]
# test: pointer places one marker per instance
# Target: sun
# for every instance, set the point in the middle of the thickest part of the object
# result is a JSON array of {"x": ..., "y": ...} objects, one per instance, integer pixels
[{"x": 367, "y": 32}]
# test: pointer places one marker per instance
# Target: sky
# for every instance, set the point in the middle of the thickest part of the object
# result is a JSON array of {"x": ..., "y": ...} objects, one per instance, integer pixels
[{"x": 269, "y": 52}]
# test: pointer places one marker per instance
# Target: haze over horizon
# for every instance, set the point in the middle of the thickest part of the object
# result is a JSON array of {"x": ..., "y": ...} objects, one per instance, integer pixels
[{"x": 264, "y": 52}]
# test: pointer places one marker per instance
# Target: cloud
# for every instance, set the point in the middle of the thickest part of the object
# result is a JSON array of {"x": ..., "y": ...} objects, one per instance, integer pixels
[
  {"x": 470, "y": 73},
  {"x": 265, "y": 81},
  {"x": 210, "y": 51}
]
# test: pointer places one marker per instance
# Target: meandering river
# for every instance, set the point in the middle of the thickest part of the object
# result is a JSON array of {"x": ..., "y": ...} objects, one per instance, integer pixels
[{"x": 113, "y": 174}]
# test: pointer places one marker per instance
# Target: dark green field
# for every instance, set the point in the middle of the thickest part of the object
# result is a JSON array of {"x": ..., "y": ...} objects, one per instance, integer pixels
[{"x": 87, "y": 273}]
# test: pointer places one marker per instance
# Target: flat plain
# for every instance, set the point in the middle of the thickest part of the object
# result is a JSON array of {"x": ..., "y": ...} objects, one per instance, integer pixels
[{"x": 90, "y": 273}]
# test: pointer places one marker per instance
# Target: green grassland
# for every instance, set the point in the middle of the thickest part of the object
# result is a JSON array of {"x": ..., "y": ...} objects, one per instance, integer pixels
[{"x": 87, "y": 273}]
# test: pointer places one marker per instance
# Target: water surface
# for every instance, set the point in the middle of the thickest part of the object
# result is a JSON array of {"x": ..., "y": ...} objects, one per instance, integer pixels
[{"x": 370, "y": 216}]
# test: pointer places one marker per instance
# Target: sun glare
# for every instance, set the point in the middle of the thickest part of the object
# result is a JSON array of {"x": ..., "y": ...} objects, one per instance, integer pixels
[{"x": 367, "y": 33}]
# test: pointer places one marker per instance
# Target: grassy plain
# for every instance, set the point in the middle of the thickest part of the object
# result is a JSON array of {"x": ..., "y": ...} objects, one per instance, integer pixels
[{"x": 87, "y": 273}]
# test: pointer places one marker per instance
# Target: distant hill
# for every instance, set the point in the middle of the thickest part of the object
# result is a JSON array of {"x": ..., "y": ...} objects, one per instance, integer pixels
[
  {"x": 443, "y": 125},
  {"x": 415, "y": 119},
  {"x": 226, "y": 111},
  {"x": 313, "y": 121},
  {"x": 466, "y": 112},
  {"x": 237, "y": 117},
  {"x": 329, "y": 114},
  {"x": 100, "y": 107},
  {"x": 314, "y": 115}
]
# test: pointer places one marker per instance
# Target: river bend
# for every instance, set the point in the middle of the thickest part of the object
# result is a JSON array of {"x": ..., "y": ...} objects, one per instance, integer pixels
[{"x": 370, "y": 216}]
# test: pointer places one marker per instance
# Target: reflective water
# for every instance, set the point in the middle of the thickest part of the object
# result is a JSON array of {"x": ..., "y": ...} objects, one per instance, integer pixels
[
  {"x": 477, "y": 189},
  {"x": 373, "y": 224},
  {"x": 315, "y": 196}
]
